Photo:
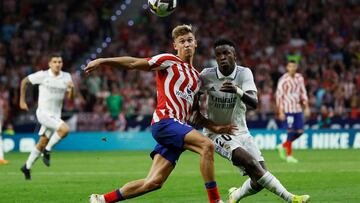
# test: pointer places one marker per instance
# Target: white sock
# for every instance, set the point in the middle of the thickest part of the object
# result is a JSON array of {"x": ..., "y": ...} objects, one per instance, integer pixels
[
  {"x": 245, "y": 190},
  {"x": 55, "y": 138},
  {"x": 1, "y": 147},
  {"x": 35, "y": 153},
  {"x": 271, "y": 183}
]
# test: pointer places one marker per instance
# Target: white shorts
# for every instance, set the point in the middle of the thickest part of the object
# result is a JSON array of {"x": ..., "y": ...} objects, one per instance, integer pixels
[
  {"x": 49, "y": 123},
  {"x": 225, "y": 144}
]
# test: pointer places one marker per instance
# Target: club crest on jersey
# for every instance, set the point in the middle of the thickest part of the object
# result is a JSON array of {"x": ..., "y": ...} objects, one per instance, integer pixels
[{"x": 212, "y": 89}]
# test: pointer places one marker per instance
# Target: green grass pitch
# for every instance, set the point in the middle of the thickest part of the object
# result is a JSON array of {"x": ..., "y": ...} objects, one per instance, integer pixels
[{"x": 326, "y": 175}]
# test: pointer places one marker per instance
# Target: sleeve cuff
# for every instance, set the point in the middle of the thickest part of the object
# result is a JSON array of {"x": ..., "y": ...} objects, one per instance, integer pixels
[{"x": 239, "y": 91}]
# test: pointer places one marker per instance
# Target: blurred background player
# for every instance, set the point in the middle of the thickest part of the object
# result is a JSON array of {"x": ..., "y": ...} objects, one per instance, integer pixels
[
  {"x": 230, "y": 89},
  {"x": 53, "y": 84},
  {"x": 177, "y": 82},
  {"x": 114, "y": 103},
  {"x": 291, "y": 100},
  {"x": 3, "y": 110}
]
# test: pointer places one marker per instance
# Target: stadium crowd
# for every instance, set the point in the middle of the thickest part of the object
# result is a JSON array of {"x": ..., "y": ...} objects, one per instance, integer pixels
[{"x": 323, "y": 36}]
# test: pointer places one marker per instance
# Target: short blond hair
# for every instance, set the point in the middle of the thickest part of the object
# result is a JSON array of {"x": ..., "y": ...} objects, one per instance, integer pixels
[{"x": 181, "y": 30}]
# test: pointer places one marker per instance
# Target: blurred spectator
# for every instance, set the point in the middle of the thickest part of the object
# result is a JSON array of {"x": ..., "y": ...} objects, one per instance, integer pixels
[{"x": 114, "y": 104}]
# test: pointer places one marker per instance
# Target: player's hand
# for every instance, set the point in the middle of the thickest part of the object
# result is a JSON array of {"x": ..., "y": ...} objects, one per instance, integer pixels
[
  {"x": 91, "y": 66},
  {"x": 225, "y": 129},
  {"x": 23, "y": 106},
  {"x": 307, "y": 112},
  {"x": 70, "y": 85},
  {"x": 228, "y": 87},
  {"x": 281, "y": 116}
]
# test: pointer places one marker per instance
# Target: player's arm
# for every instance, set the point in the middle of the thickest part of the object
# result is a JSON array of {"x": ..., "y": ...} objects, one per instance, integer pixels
[
  {"x": 248, "y": 97},
  {"x": 280, "y": 100},
  {"x": 304, "y": 98},
  {"x": 199, "y": 120},
  {"x": 22, "y": 103},
  {"x": 125, "y": 62},
  {"x": 70, "y": 90}
]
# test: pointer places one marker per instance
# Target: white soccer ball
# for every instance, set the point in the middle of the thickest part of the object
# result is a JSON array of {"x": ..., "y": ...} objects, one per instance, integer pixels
[{"x": 162, "y": 8}]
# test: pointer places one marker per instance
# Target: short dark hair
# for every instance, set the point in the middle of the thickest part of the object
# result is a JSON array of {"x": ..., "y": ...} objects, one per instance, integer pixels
[
  {"x": 224, "y": 41},
  {"x": 54, "y": 55}
]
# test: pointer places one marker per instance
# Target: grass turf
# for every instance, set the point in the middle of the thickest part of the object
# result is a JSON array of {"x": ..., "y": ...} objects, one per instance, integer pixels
[{"x": 329, "y": 176}]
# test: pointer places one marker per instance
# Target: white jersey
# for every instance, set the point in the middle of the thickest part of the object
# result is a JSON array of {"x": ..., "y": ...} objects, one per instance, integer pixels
[
  {"x": 51, "y": 90},
  {"x": 222, "y": 107}
]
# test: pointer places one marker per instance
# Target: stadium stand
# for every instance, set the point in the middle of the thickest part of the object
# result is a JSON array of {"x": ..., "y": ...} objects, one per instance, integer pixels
[{"x": 322, "y": 35}]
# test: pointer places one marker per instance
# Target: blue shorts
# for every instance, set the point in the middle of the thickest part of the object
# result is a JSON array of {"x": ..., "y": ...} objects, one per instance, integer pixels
[
  {"x": 169, "y": 134},
  {"x": 294, "y": 121}
]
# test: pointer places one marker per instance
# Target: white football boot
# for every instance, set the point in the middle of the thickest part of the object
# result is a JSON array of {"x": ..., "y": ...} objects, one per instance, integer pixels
[{"x": 96, "y": 198}]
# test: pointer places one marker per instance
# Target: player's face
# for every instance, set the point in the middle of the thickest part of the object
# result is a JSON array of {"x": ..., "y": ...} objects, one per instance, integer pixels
[
  {"x": 185, "y": 46},
  {"x": 225, "y": 58},
  {"x": 291, "y": 68},
  {"x": 56, "y": 64}
]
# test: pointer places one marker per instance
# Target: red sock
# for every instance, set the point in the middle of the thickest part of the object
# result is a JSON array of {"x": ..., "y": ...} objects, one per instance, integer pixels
[
  {"x": 213, "y": 192},
  {"x": 287, "y": 146},
  {"x": 113, "y": 196}
]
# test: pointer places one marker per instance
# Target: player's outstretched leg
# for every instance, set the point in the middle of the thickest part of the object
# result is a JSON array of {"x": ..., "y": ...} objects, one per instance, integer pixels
[
  {"x": 195, "y": 142},
  {"x": 56, "y": 137}
]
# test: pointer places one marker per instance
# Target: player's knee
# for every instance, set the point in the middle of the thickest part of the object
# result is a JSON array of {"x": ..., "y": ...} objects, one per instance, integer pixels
[
  {"x": 42, "y": 143},
  {"x": 208, "y": 146},
  {"x": 64, "y": 129},
  {"x": 251, "y": 164},
  {"x": 254, "y": 168}
]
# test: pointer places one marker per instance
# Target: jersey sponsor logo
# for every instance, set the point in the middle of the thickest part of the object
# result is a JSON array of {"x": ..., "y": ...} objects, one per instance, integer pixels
[
  {"x": 55, "y": 90},
  {"x": 223, "y": 102},
  {"x": 187, "y": 94}
]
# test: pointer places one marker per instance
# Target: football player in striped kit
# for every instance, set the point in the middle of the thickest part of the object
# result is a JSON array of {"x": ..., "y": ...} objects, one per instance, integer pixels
[
  {"x": 177, "y": 82},
  {"x": 231, "y": 89},
  {"x": 291, "y": 101}
]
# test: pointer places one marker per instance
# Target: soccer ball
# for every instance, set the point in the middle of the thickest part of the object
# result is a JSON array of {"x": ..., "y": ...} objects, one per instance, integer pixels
[{"x": 162, "y": 8}]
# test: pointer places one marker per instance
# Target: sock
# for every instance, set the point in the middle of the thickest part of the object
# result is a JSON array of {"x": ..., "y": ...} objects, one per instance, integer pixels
[
  {"x": 245, "y": 190},
  {"x": 113, "y": 196},
  {"x": 213, "y": 192},
  {"x": 35, "y": 153},
  {"x": 55, "y": 138},
  {"x": 1, "y": 147},
  {"x": 271, "y": 183},
  {"x": 287, "y": 146}
]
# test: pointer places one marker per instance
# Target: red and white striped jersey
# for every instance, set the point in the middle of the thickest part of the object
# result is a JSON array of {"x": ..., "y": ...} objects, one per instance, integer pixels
[
  {"x": 291, "y": 93},
  {"x": 177, "y": 83}
]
